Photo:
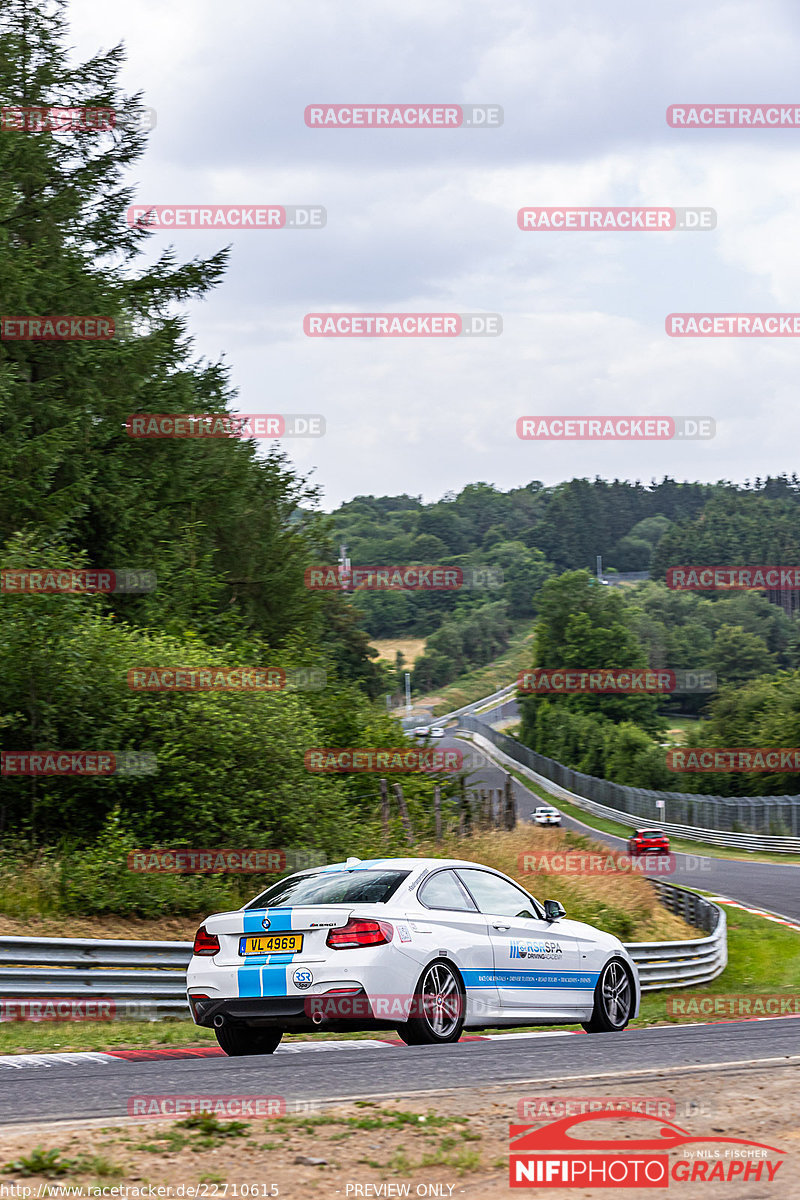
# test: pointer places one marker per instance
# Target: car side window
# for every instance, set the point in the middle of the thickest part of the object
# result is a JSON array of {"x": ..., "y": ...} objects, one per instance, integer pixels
[
  {"x": 443, "y": 890},
  {"x": 495, "y": 896}
]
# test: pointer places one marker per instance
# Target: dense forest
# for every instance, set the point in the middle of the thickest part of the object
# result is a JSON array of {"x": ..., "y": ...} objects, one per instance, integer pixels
[
  {"x": 751, "y": 647},
  {"x": 229, "y": 530},
  {"x": 529, "y": 535}
]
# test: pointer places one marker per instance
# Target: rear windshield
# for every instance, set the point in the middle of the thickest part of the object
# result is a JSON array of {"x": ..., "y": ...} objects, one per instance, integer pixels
[
  {"x": 332, "y": 887},
  {"x": 650, "y": 833}
]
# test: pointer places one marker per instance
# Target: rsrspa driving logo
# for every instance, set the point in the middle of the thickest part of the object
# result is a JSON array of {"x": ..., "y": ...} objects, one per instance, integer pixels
[{"x": 536, "y": 949}]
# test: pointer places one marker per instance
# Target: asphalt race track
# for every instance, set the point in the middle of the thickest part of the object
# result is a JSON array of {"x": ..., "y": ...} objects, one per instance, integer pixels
[
  {"x": 39, "y": 1088},
  {"x": 771, "y": 886},
  {"x": 101, "y": 1088}
]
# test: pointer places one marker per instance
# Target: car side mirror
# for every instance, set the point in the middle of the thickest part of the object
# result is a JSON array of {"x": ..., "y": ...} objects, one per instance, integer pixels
[{"x": 553, "y": 909}]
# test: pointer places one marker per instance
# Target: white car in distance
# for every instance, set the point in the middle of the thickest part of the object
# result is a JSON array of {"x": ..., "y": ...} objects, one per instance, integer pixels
[{"x": 546, "y": 815}]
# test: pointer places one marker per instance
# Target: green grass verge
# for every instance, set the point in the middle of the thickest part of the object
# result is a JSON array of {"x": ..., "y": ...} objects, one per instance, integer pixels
[{"x": 482, "y": 681}]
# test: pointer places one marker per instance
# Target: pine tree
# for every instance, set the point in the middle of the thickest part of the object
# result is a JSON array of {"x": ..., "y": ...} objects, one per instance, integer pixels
[{"x": 69, "y": 471}]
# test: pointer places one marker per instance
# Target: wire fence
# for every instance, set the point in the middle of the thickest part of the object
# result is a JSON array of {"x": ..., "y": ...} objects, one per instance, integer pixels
[{"x": 773, "y": 821}]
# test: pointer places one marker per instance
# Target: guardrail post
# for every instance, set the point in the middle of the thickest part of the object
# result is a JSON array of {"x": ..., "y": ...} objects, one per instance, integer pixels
[
  {"x": 510, "y": 804},
  {"x": 404, "y": 817},
  {"x": 385, "y": 810}
]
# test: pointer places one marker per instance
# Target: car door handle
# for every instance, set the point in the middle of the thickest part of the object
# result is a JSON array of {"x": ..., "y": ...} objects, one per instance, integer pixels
[{"x": 499, "y": 925}]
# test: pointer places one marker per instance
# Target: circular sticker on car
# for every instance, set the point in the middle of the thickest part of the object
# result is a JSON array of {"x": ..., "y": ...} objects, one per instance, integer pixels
[{"x": 303, "y": 978}]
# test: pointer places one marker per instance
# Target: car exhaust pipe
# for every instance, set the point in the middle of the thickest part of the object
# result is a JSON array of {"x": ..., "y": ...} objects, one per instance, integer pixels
[
  {"x": 317, "y": 1018},
  {"x": 219, "y": 1021}
]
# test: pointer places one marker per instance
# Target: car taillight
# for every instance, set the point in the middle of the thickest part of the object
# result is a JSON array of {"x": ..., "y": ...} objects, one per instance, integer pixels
[
  {"x": 205, "y": 942},
  {"x": 360, "y": 931}
]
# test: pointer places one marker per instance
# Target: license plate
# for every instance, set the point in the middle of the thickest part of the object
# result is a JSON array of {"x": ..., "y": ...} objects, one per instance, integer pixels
[{"x": 272, "y": 943}]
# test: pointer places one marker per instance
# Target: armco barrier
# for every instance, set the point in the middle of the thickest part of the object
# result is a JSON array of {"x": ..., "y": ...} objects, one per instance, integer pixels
[
  {"x": 475, "y": 706},
  {"x": 638, "y": 807},
  {"x": 146, "y": 980},
  {"x": 683, "y": 964}
]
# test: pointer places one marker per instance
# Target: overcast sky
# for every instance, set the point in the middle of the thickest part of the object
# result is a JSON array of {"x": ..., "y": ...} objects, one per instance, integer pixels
[{"x": 425, "y": 220}]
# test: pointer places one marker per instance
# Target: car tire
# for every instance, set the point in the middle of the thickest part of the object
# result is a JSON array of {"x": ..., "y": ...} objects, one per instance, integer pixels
[
  {"x": 613, "y": 999},
  {"x": 442, "y": 1007},
  {"x": 236, "y": 1040}
]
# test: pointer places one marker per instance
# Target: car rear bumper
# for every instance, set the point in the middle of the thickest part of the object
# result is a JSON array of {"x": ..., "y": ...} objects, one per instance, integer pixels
[{"x": 300, "y": 1013}]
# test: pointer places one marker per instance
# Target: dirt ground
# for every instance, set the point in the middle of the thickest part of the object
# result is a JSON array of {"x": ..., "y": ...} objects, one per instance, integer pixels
[{"x": 443, "y": 1144}]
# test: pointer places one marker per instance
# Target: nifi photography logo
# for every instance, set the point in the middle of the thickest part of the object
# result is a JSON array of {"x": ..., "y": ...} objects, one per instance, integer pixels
[{"x": 556, "y": 1155}]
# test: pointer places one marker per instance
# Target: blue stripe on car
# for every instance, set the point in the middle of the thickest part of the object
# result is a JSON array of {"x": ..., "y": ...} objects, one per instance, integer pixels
[
  {"x": 262, "y": 981},
  {"x": 265, "y": 974},
  {"x": 280, "y": 920}
]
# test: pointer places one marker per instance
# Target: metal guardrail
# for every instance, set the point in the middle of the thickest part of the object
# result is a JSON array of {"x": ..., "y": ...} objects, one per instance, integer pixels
[
  {"x": 147, "y": 980},
  {"x": 683, "y": 964},
  {"x": 142, "y": 980},
  {"x": 642, "y": 803},
  {"x": 484, "y": 702}
]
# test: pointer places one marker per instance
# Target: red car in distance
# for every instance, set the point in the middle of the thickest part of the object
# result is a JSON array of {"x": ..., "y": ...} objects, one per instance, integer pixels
[{"x": 648, "y": 841}]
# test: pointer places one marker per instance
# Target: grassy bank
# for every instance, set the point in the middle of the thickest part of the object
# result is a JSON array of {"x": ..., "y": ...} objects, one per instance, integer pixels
[
  {"x": 104, "y": 894},
  {"x": 410, "y": 648},
  {"x": 482, "y": 681}
]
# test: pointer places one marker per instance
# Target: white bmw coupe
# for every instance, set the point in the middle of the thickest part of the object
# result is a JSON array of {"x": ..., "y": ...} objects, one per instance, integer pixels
[{"x": 428, "y": 947}]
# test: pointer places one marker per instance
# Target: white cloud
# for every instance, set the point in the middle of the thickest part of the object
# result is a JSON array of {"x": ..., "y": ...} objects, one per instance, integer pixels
[{"x": 427, "y": 221}]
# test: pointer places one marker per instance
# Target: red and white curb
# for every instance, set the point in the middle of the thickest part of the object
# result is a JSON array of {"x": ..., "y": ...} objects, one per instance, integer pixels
[
  {"x": 16, "y": 1062},
  {"x": 757, "y": 912},
  {"x": 11, "y": 1062}
]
